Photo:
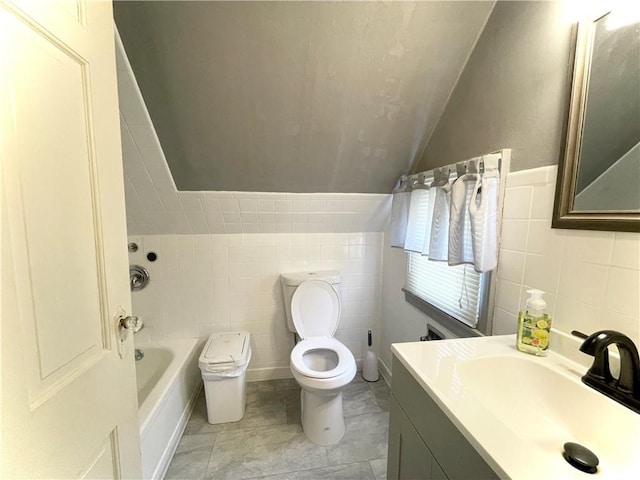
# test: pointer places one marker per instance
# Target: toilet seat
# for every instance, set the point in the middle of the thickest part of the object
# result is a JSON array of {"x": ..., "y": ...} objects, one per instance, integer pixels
[{"x": 345, "y": 357}]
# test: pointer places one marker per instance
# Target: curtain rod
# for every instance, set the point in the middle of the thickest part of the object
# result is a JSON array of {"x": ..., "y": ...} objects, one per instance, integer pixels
[{"x": 407, "y": 181}]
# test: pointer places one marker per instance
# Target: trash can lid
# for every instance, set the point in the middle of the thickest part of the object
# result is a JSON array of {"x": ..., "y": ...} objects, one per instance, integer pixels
[{"x": 230, "y": 348}]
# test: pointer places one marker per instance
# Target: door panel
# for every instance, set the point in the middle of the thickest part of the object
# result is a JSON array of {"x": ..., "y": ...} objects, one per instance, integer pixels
[
  {"x": 105, "y": 464},
  {"x": 60, "y": 292},
  {"x": 69, "y": 406},
  {"x": 75, "y": 9}
]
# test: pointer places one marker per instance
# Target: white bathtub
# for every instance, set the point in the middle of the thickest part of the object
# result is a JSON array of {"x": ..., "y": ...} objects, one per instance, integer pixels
[{"x": 168, "y": 380}]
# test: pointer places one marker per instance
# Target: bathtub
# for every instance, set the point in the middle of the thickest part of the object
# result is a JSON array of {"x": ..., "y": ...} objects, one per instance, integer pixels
[{"x": 169, "y": 380}]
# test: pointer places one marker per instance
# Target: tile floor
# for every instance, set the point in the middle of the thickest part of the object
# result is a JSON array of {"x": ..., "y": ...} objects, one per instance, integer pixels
[{"x": 269, "y": 443}]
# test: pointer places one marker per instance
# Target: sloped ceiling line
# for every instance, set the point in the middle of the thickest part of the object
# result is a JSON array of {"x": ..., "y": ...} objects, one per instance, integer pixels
[{"x": 296, "y": 96}]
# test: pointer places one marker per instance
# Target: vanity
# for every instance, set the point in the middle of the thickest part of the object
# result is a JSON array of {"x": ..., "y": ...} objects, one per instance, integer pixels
[
  {"x": 477, "y": 408},
  {"x": 423, "y": 442}
]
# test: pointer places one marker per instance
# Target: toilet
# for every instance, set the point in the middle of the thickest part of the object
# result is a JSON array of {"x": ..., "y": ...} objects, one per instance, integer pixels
[{"x": 321, "y": 365}]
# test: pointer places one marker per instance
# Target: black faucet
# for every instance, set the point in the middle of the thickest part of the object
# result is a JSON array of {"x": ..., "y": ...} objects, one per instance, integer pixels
[{"x": 624, "y": 390}]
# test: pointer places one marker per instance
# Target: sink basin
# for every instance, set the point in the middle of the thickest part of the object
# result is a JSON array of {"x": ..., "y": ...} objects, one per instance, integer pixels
[
  {"x": 519, "y": 410},
  {"x": 548, "y": 406}
]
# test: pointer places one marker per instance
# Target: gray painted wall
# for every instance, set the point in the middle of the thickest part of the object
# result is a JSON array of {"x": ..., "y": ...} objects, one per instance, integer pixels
[
  {"x": 296, "y": 96},
  {"x": 513, "y": 92}
]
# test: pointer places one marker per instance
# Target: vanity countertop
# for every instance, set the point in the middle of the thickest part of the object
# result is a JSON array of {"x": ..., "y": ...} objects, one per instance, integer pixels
[{"x": 518, "y": 410}]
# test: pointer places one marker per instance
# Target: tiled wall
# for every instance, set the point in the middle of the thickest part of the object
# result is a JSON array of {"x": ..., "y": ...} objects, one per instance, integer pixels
[
  {"x": 208, "y": 283},
  {"x": 221, "y": 253},
  {"x": 592, "y": 278}
]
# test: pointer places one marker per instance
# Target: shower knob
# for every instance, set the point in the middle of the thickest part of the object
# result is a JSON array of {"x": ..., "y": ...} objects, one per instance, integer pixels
[{"x": 138, "y": 277}]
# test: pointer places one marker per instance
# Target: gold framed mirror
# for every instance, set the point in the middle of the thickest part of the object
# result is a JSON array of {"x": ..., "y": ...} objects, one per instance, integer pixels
[{"x": 598, "y": 185}]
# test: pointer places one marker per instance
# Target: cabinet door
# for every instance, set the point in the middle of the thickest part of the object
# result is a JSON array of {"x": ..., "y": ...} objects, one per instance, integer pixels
[{"x": 408, "y": 458}]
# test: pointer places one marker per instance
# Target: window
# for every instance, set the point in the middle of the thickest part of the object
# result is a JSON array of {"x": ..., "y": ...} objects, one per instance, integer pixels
[
  {"x": 455, "y": 290},
  {"x": 458, "y": 292},
  {"x": 457, "y": 297}
]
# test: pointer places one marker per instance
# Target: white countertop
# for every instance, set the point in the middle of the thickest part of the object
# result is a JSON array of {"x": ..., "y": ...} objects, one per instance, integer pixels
[{"x": 518, "y": 410}]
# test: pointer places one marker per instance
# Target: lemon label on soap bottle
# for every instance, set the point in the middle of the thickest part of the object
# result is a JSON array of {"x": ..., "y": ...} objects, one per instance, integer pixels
[
  {"x": 534, "y": 325},
  {"x": 533, "y": 333}
]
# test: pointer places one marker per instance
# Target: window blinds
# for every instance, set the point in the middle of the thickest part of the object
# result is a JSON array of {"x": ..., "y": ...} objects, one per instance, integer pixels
[{"x": 452, "y": 289}]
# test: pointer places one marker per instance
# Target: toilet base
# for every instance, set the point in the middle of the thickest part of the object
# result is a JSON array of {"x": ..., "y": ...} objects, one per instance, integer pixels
[{"x": 322, "y": 417}]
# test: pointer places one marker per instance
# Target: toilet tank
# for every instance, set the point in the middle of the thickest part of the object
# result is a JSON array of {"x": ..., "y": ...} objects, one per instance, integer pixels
[{"x": 290, "y": 282}]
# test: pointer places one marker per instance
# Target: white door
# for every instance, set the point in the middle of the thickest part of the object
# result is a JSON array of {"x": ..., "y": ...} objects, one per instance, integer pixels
[{"x": 69, "y": 406}]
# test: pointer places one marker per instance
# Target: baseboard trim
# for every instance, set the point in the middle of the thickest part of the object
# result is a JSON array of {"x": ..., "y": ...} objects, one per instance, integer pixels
[
  {"x": 268, "y": 373},
  {"x": 276, "y": 373}
]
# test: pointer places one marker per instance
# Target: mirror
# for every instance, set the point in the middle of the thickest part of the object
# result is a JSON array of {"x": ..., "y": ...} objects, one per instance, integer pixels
[{"x": 599, "y": 174}]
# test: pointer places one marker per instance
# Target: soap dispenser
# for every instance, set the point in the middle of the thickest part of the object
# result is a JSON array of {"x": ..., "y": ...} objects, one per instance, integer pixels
[{"x": 534, "y": 326}]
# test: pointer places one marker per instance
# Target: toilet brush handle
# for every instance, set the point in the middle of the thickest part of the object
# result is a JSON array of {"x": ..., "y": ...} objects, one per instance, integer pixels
[{"x": 369, "y": 338}]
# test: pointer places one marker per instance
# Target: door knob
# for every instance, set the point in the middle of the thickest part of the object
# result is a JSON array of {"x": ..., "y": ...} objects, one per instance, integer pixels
[
  {"x": 131, "y": 322},
  {"x": 124, "y": 324}
]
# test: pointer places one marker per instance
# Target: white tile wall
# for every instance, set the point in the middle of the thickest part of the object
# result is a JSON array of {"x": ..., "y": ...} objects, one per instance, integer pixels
[
  {"x": 592, "y": 279},
  {"x": 154, "y": 206},
  {"x": 220, "y": 253},
  {"x": 207, "y": 283}
]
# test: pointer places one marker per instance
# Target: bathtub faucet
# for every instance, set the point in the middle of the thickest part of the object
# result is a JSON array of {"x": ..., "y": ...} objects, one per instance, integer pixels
[{"x": 139, "y": 354}]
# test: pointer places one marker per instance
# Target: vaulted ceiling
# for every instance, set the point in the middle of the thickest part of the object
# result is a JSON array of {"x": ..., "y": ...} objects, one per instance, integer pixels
[{"x": 296, "y": 96}]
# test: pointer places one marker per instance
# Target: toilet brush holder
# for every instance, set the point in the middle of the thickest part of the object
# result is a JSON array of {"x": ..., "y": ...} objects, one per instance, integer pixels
[{"x": 370, "y": 366}]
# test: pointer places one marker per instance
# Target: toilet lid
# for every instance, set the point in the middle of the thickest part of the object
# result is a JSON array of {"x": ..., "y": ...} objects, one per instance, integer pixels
[{"x": 315, "y": 309}]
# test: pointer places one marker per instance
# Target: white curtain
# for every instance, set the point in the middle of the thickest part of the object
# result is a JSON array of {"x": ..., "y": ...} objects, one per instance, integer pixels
[
  {"x": 416, "y": 229},
  {"x": 460, "y": 243},
  {"x": 399, "y": 218},
  {"x": 483, "y": 210},
  {"x": 438, "y": 243},
  {"x": 454, "y": 223},
  {"x": 400, "y": 212},
  {"x": 429, "y": 207}
]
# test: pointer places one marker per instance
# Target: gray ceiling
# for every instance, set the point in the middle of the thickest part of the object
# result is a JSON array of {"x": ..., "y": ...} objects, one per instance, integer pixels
[{"x": 296, "y": 96}]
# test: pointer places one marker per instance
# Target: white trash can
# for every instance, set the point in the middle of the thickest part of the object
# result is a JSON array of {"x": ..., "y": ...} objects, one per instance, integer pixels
[{"x": 223, "y": 363}]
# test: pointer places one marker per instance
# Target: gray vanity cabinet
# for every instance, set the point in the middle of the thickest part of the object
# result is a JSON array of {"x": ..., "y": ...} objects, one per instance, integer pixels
[
  {"x": 423, "y": 443},
  {"x": 409, "y": 457}
]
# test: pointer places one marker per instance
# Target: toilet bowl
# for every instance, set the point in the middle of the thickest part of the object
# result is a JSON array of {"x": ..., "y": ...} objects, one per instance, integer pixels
[{"x": 321, "y": 364}]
